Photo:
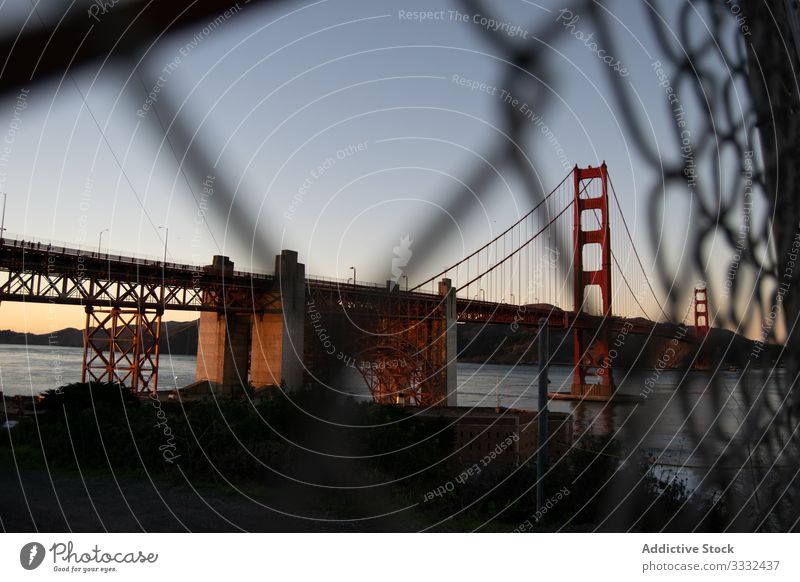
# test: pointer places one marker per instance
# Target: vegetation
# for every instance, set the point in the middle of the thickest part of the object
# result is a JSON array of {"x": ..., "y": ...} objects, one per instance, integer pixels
[{"x": 319, "y": 437}]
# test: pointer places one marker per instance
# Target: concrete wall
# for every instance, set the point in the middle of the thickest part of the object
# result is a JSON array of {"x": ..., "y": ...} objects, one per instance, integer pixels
[
  {"x": 222, "y": 351},
  {"x": 266, "y": 359},
  {"x": 293, "y": 293},
  {"x": 278, "y": 338},
  {"x": 447, "y": 291}
]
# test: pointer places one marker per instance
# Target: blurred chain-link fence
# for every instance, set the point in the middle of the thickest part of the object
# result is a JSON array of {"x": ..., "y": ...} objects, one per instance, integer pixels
[{"x": 734, "y": 160}]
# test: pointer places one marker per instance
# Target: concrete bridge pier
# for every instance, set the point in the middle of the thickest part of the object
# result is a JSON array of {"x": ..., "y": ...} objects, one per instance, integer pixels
[
  {"x": 276, "y": 357},
  {"x": 264, "y": 348},
  {"x": 223, "y": 343},
  {"x": 450, "y": 340}
]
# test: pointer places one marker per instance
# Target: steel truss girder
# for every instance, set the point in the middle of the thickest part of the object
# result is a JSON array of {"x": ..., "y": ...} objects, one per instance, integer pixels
[
  {"x": 70, "y": 290},
  {"x": 397, "y": 340},
  {"x": 121, "y": 346}
]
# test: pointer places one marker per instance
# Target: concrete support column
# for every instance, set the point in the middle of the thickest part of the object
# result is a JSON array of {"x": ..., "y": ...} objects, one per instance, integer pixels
[
  {"x": 448, "y": 292},
  {"x": 278, "y": 338},
  {"x": 266, "y": 357},
  {"x": 223, "y": 344},
  {"x": 222, "y": 347}
]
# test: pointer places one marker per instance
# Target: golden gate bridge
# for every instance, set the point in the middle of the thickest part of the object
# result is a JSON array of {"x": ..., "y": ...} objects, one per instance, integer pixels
[{"x": 287, "y": 329}]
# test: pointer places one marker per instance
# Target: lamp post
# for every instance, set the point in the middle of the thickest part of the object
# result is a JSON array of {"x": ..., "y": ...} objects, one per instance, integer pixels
[
  {"x": 164, "y": 265},
  {"x": 166, "y": 238},
  {"x": 100, "y": 242},
  {"x": 482, "y": 293},
  {"x": 542, "y": 412},
  {"x": 354, "y": 275},
  {"x": 3, "y": 219}
]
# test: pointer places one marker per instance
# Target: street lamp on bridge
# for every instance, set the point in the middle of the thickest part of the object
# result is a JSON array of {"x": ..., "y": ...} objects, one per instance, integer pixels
[
  {"x": 3, "y": 219},
  {"x": 100, "y": 242},
  {"x": 354, "y": 274},
  {"x": 166, "y": 238}
]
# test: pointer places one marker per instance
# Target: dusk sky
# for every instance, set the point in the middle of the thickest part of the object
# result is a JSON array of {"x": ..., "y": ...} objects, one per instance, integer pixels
[{"x": 341, "y": 127}]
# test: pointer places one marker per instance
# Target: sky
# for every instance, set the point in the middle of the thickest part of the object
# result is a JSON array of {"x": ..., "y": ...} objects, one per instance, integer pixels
[{"x": 339, "y": 128}]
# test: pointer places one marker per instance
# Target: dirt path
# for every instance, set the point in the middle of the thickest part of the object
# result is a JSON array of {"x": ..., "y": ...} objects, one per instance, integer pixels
[{"x": 129, "y": 504}]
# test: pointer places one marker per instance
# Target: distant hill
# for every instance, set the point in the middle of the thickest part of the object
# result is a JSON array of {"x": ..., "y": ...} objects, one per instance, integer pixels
[
  {"x": 69, "y": 337},
  {"x": 177, "y": 337},
  {"x": 477, "y": 343}
]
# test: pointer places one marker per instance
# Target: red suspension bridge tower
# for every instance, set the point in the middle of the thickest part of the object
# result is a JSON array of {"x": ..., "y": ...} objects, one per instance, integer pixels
[
  {"x": 701, "y": 311},
  {"x": 592, "y": 378},
  {"x": 701, "y": 325}
]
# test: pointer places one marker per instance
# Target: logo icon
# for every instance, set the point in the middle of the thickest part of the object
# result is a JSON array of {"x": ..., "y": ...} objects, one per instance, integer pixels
[{"x": 31, "y": 555}]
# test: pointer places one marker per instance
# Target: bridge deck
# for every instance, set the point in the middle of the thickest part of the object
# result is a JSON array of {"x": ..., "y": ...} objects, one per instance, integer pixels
[{"x": 38, "y": 272}]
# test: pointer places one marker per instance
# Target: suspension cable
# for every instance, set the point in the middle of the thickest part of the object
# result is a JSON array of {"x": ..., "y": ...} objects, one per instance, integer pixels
[
  {"x": 635, "y": 252},
  {"x": 619, "y": 268},
  {"x": 445, "y": 271},
  {"x": 545, "y": 227}
]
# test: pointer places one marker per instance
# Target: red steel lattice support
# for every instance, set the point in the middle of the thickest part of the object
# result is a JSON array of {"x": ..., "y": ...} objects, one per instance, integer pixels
[
  {"x": 121, "y": 346},
  {"x": 592, "y": 378}
]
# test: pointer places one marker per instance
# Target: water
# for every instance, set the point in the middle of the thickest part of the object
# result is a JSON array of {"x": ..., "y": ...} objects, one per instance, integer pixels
[
  {"x": 33, "y": 369},
  {"x": 687, "y": 429}
]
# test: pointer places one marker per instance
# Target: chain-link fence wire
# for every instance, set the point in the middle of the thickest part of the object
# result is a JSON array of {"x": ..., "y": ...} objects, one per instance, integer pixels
[{"x": 743, "y": 72}]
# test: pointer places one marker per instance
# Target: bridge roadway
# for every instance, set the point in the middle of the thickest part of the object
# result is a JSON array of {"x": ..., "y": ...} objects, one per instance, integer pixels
[{"x": 37, "y": 272}]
